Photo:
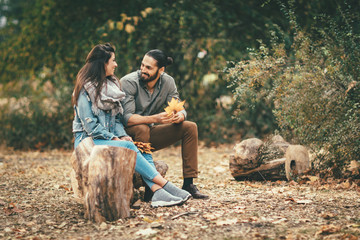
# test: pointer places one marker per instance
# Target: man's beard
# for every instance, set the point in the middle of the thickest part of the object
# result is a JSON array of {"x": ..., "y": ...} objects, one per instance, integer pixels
[{"x": 150, "y": 78}]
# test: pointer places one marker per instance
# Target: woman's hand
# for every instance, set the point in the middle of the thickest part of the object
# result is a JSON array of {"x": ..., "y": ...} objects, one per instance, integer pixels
[{"x": 126, "y": 138}]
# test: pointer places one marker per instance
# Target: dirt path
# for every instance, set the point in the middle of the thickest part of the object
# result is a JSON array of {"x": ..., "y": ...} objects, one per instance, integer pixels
[{"x": 36, "y": 203}]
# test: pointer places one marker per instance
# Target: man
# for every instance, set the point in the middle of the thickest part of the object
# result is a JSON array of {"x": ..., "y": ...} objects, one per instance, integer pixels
[{"x": 148, "y": 91}]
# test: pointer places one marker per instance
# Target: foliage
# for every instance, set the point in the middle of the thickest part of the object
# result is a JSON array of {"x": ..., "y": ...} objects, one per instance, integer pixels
[
  {"x": 37, "y": 115},
  {"x": 270, "y": 151},
  {"x": 312, "y": 87},
  {"x": 200, "y": 36},
  {"x": 57, "y": 35}
]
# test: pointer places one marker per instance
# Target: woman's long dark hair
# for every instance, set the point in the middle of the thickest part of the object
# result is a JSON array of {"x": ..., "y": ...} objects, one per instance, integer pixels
[{"x": 93, "y": 70}]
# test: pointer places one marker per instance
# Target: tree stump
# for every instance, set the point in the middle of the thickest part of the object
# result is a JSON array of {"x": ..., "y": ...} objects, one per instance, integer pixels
[
  {"x": 252, "y": 160},
  {"x": 103, "y": 178}
]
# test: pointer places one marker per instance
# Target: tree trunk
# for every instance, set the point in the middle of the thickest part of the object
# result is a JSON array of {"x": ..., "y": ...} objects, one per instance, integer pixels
[{"x": 103, "y": 179}]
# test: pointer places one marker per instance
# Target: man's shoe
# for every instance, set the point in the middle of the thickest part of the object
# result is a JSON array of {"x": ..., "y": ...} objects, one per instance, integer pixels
[
  {"x": 162, "y": 198},
  {"x": 195, "y": 193}
]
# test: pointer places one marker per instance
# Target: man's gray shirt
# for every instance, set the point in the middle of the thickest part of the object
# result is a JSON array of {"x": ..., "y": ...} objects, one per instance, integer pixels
[{"x": 138, "y": 99}]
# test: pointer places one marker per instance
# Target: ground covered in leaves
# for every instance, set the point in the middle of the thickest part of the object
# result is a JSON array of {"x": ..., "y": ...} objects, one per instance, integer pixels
[{"x": 36, "y": 203}]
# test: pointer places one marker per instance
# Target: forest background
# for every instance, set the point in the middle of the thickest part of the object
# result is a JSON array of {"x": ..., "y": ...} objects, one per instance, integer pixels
[{"x": 245, "y": 68}]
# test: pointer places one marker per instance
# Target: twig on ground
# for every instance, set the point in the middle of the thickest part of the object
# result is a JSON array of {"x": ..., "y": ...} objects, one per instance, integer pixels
[{"x": 182, "y": 214}]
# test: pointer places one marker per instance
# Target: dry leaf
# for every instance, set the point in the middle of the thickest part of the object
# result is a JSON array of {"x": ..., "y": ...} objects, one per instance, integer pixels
[
  {"x": 146, "y": 219},
  {"x": 12, "y": 209},
  {"x": 226, "y": 222},
  {"x": 310, "y": 178},
  {"x": 303, "y": 201},
  {"x": 174, "y": 106},
  {"x": 293, "y": 183},
  {"x": 328, "y": 216},
  {"x": 328, "y": 229},
  {"x": 281, "y": 220},
  {"x": 254, "y": 185},
  {"x": 146, "y": 232},
  {"x": 346, "y": 185},
  {"x": 211, "y": 216},
  {"x": 65, "y": 188},
  {"x": 349, "y": 236},
  {"x": 144, "y": 147},
  {"x": 290, "y": 199}
]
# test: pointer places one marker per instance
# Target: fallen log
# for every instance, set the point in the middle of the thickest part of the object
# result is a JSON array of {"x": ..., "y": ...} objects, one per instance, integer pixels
[
  {"x": 273, "y": 170},
  {"x": 251, "y": 160},
  {"x": 103, "y": 178}
]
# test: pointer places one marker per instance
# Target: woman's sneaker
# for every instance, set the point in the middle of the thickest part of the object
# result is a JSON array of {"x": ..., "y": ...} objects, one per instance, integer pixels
[
  {"x": 162, "y": 198},
  {"x": 175, "y": 191}
]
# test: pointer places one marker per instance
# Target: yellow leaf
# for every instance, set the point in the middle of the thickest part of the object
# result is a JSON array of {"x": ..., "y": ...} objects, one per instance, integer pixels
[
  {"x": 146, "y": 219},
  {"x": 119, "y": 25},
  {"x": 111, "y": 24},
  {"x": 129, "y": 28},
  {"x": 174, "y": 106}
]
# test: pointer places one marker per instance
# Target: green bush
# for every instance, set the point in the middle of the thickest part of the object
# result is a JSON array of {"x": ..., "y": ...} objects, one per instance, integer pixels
[
  {"x": 311, "y": 87},
  {"x": 37, "y": 115}
]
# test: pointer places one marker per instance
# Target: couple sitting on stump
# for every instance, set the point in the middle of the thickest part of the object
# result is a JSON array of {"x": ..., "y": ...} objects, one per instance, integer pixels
[{"x": 103, "y": 105}]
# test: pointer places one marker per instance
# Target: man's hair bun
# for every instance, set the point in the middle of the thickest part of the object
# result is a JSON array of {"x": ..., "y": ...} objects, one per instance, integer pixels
[
  {"x": 160, "y": 57},
  {"x": 170, "y": 61}
]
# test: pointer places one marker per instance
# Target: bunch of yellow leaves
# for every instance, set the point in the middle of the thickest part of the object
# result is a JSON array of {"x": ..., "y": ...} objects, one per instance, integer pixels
[
  {"x": 174, "y": 106},
  {"x": 144, "y": 147}
]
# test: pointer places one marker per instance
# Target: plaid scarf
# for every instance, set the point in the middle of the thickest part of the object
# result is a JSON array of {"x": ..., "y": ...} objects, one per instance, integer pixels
[{"x": 109, "y": 98}]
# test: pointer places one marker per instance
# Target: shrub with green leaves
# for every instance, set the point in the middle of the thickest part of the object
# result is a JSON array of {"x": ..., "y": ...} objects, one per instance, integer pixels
[
  {"x": 312, "y": 88},
  {"x": 36, "y": 113}
]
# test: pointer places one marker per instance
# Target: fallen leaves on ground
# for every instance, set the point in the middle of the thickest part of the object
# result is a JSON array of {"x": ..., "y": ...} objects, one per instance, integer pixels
[
  {"x": 12, "y": 209},
  {"x": 37, "y": 203}
]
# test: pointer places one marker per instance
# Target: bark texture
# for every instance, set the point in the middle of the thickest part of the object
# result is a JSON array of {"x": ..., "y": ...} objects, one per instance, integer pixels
[{"x": 102, "y": 178}]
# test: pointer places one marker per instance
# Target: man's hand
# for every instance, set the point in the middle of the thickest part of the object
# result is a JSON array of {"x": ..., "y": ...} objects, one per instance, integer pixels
[
  {"x": 163, "y": 118},
  {"x": 178, "y": 118}
]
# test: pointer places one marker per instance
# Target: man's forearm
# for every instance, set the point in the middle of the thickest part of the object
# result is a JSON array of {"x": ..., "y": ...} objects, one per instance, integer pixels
[{"x": 136, "y": 119}]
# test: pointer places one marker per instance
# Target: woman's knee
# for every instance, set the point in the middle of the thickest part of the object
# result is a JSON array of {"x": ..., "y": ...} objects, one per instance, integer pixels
[{"x": 128, "y": 144}]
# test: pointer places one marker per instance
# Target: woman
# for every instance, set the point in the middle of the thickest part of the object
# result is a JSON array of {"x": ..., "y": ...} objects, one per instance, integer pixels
[{"x": 98, "y": 114}]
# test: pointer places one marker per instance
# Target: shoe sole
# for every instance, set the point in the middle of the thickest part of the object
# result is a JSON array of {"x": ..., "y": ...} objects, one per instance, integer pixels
[
  {"x": 185, "y": 200},
  {"x": 203, "y": 198},
  {"x": 187, "y": 197},
  {"x": 166, "y": 204}
]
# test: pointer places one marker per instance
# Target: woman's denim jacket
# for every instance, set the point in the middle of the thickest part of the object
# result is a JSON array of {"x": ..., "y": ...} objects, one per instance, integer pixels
[{"x": 101, "y": 126}]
